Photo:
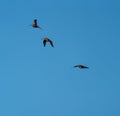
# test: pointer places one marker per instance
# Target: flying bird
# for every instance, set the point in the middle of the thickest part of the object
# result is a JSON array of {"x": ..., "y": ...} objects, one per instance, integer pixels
[
  {"x": 81, "y": 66},
  {"x": 35, "y": 25},
  {"x": 47, "y": 40}
]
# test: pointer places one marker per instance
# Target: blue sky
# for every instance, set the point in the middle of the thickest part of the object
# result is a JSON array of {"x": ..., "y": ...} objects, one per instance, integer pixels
[{"x": 41, "y": 81}]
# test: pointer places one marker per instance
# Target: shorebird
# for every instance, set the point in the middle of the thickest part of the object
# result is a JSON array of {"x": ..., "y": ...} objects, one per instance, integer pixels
[
  {"x": 47, "y": 40},
  {"x": 81, "y": 66},
  {"x": 35, "y": 25}
]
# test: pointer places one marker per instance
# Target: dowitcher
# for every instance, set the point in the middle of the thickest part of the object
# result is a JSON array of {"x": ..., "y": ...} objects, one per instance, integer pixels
[
  {"x": 81, "y": 66},
  {"x": 35, "y": 25},
  {"x": 47, "y": 40}
]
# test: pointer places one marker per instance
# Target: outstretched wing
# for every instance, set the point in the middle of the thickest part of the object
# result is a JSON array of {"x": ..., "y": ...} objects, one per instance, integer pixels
[
  {"x": 51, "y": 43},
  {"x": 76, "y": 66},
  {"x": 44, "y": 43},
  {"x": 84, "y": 67},
  {"x": 35, "y": 22}
]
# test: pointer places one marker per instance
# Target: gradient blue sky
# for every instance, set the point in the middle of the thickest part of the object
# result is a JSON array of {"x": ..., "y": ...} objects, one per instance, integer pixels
[{"x": 38, "y": 81}]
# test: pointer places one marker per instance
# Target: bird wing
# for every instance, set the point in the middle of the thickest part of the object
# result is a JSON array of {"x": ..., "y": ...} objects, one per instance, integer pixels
[
  {"x": 86, "y": 67},
  {"x": 76, "y": 66},
  {"x": 44, "y": 43},
  {"x": 35, "y": 21},
  {"x": 39, "y": 27},
  {"x": 51, "y": 43},
  {"x": 82, "y": 66}
]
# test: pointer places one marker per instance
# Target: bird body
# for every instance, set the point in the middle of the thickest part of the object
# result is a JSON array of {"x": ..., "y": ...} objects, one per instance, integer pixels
[
  {"x": 47, "y": 40},
  {"x": 81, "y": 66}
]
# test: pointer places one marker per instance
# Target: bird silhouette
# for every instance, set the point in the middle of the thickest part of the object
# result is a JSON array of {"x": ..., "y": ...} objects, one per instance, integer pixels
[
  {"x": 47, "y": 40},
  {"x": 35, "y": 25},
  {"x": 81, "y": 66}
]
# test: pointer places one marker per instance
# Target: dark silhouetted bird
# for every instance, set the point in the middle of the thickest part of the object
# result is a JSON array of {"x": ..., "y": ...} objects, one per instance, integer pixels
[
  {"x": 81, "y": 66},
  {"x": 35, "y": 25},
  {"x": 47, "y": 40}
]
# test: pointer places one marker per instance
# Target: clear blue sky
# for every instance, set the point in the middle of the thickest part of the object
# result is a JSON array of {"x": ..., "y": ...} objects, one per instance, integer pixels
[{"x": 38, "y": 81}]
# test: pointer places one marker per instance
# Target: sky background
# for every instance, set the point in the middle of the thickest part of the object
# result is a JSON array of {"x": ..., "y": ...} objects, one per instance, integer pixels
[{"x": 41, "y": 81}]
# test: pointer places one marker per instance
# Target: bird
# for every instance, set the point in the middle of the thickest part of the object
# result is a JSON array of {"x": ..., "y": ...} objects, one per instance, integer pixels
[
  {"x": 35, "y": 25},
  {"x": 47, "y": 40},
  {"x": 81, "y": 66}
]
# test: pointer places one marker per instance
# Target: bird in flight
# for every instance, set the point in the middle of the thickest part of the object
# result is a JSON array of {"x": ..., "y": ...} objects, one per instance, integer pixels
[
  {"x": 35, "y": 25},
  {"x": 47, "y": 40},
  {"x": 81, "y": 66}
]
